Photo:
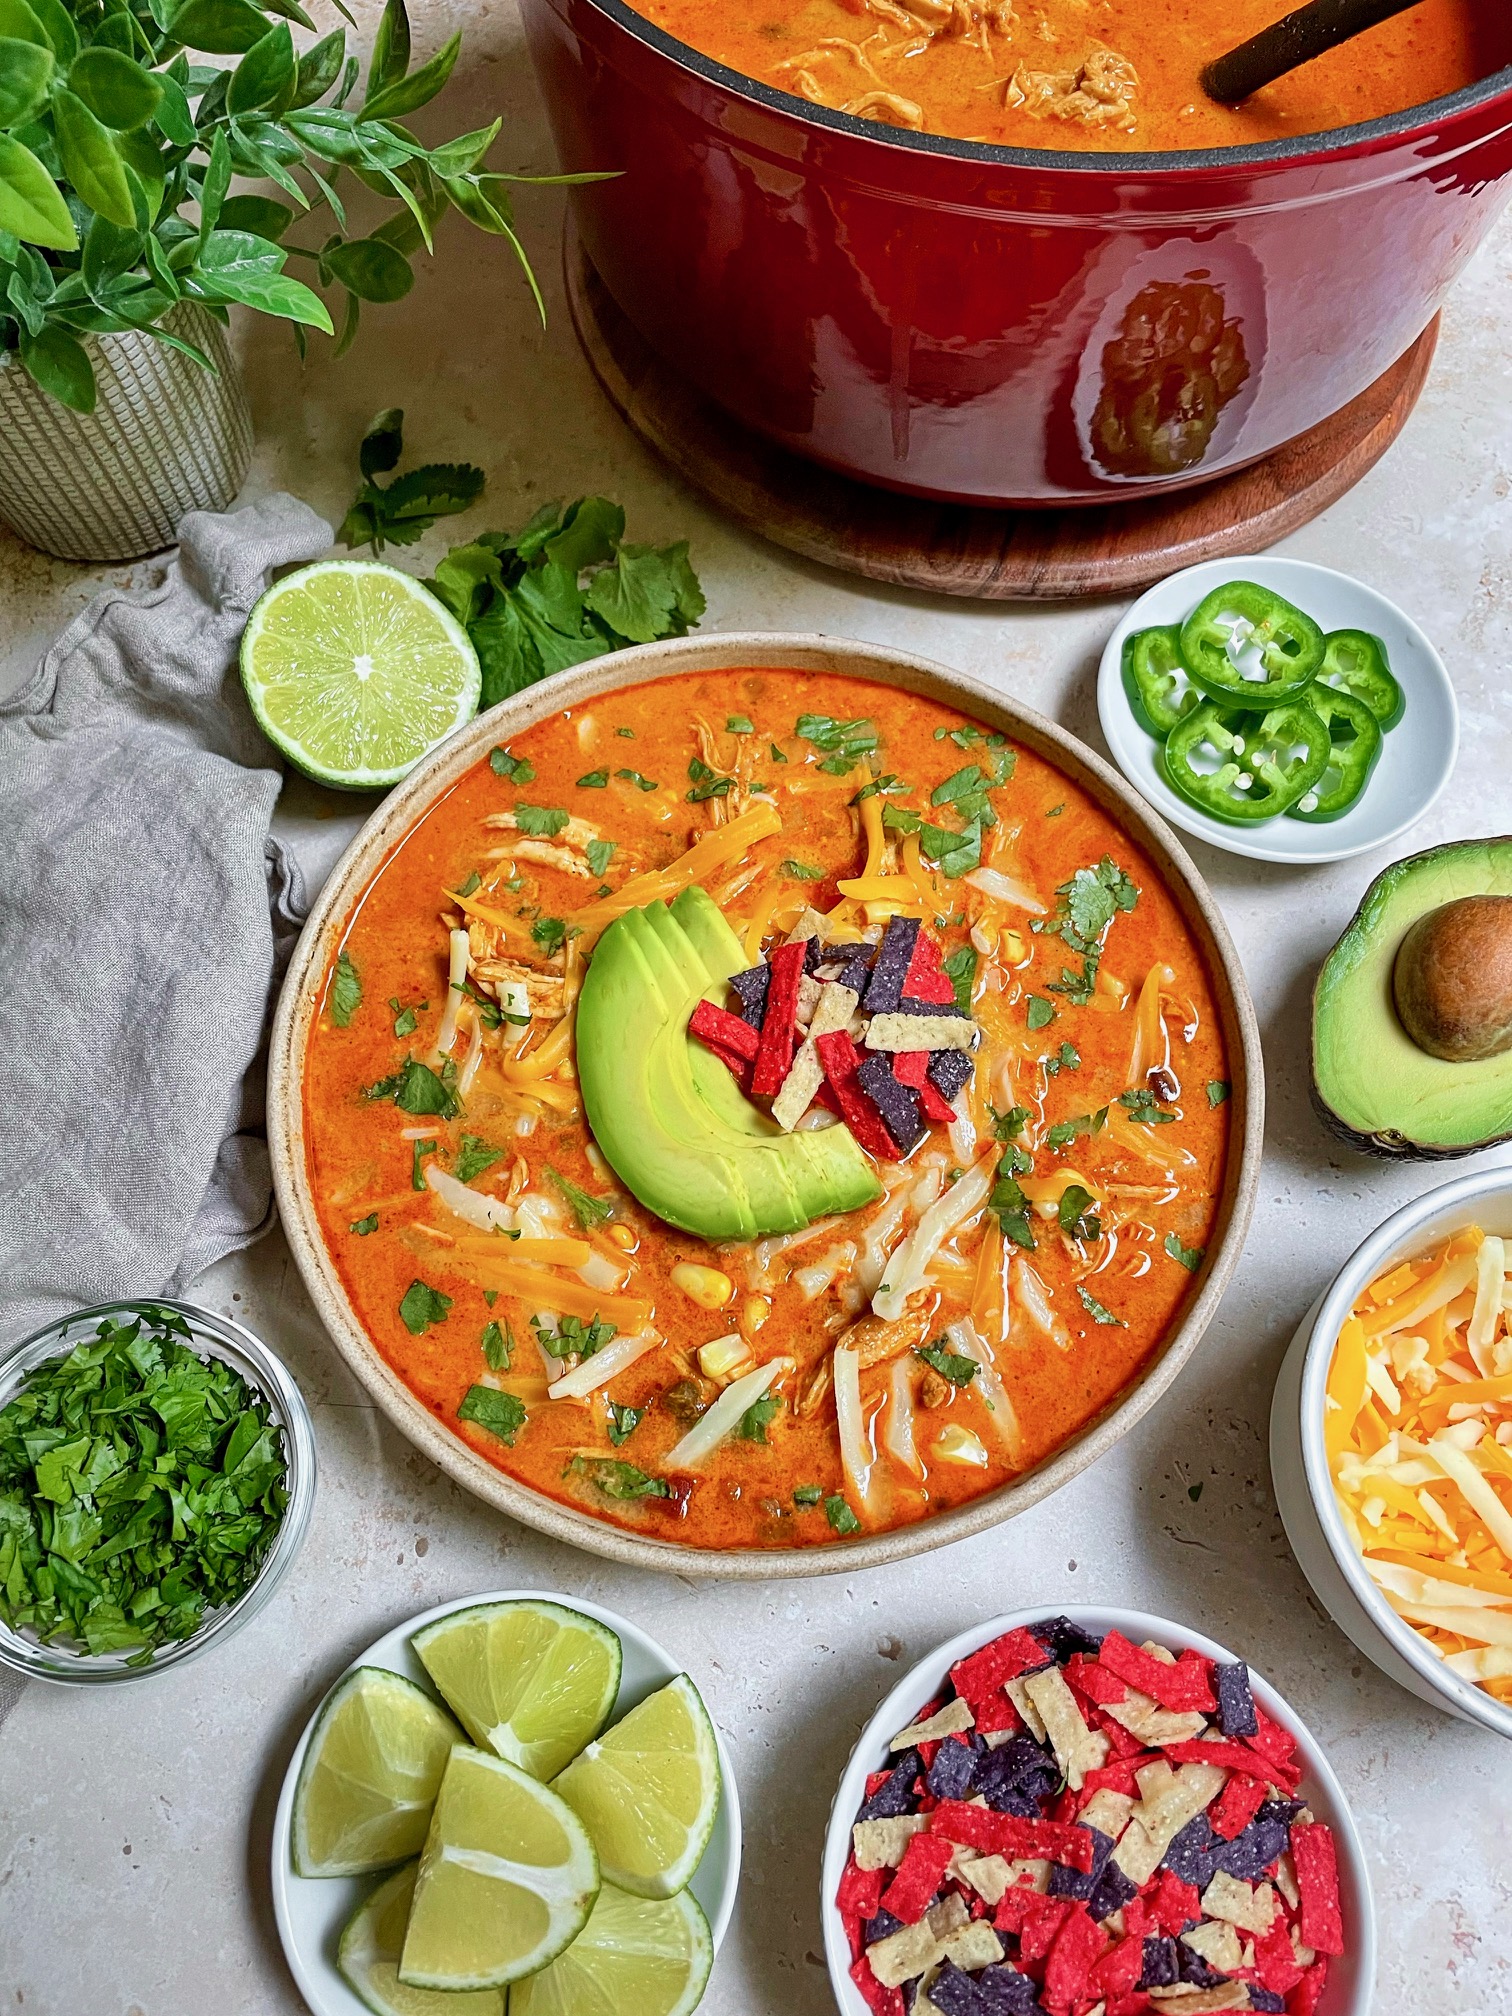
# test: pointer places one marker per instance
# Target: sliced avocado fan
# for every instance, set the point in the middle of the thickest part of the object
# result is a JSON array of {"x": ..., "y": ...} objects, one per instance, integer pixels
[
  {"x": 669, "y": 1118},
  {"x": 1371, "y": 1082}
]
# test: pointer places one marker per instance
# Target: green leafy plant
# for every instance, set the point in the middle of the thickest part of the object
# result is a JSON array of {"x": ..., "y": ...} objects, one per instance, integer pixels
[{"x": 119, "y": 147}]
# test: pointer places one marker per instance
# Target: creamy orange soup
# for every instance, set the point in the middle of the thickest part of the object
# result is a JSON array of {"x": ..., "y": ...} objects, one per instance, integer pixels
[
  {"x": 492, "y": 1253},
  {"x": 1094, "y": 74}
]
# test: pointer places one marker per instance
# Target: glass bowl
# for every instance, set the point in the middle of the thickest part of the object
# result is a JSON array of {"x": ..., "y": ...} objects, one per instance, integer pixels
[{"x": 211, "y": 1336}]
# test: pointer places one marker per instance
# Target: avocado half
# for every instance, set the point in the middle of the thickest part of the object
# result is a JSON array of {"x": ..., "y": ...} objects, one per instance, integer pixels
[
  {"x": 1371, "y": 1083},
  {"x": 670, "y": 1120}
]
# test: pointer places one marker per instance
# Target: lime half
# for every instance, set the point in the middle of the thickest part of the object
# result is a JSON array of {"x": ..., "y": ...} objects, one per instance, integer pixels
[
  {"x": 354, "y": 670},
  {"x": 370, "y": 1774},
  {"x": 532, "y": 1682},
  {"x": 648, "y": 1791},
  {"x": 506, "y": 1881},
  {"x": 636, "y": 1956},
  {"x": 369, "y": 1959}
]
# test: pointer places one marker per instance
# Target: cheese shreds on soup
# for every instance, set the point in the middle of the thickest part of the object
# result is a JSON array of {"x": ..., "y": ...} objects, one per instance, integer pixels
[{"x": 758, "y": 1108}]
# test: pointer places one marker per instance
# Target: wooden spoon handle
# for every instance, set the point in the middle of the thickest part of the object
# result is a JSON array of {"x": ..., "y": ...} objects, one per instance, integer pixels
[{"x": 1292, "y": 41}]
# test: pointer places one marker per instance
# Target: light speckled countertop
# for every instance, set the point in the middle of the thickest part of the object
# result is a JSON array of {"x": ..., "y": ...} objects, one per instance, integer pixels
[{"x": 134, "y": 1828}]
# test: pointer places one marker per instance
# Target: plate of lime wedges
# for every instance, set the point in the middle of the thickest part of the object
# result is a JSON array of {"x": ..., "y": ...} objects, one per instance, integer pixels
[{"x": 512, "y": 1801}]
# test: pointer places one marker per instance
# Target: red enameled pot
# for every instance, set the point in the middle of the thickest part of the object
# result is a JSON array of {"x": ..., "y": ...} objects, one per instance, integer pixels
[{"x": 996, "y": 325}]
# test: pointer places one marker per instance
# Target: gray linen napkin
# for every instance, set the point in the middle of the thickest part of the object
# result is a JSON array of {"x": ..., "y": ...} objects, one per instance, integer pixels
[{"x": 145, "y": 913}]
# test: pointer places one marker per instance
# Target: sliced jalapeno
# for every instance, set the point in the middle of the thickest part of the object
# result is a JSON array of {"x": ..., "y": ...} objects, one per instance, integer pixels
[
  {"x": 1355, "y": 742},
  {"x": 1355, "y": 662},
  {"x": 1156, "y": 679},
  {"x": 1244, "y": 767},
  {"x": 1252, "y": 648}
]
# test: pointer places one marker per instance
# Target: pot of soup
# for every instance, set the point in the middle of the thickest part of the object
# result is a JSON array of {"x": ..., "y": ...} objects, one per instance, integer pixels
[{"x": 1006, "y": 251}]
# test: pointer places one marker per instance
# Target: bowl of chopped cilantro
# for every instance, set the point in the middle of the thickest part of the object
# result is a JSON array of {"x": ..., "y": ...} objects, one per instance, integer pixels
[{"x": 157, "y": 1473}]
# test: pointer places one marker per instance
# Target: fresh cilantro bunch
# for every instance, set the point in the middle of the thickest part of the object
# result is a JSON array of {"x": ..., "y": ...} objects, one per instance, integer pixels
[
  {"x": 140, "y": 1486},
  {"x": 1085, "y": 907},
  {"x": 396, "y": 514}
]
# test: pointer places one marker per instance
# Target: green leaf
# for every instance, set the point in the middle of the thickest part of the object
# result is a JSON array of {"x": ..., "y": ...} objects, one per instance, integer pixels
[
  {"x": 638, "y": 596},
  {"x": 19, "y": 23},
  {"x": 514, "y": 769},
  {"x": 1189, "y": 1257},
  {"x": 1217, "y": 1091},
  {"x": 460, "y": 156},
  {"x": 498, "y": 1346},
  {"x": 90, "y": 160},
  {"x": 1064, "y": 1132},
  {"x": 840, "y": 1516},
  {"x": 120, "y": 93},
  {"x": 1072, "y": 1213},
  {"x": 391, "y": 47},
  {"x": 221, "y": 27},
  {"x": 800, "y": 871},
  {"x": 960, "y": 969},
  {"x": 174, "y": 119},
  {"x": 319, "y": 67},
  {"x": 1010, "y": 1207},
  {"x": 237, "y": 266},
  {"x": 422, "y": 1306},
  {"x": 362, "y": 1226},
  {"x": 416, "y": 1089},
  {"x": 550, "y": 933},
  {"x": 952, "y": 1365},
  {"x": 31, "y": 205},
  {"x": 808, "y": 1494},
  {"x": 541, "y": 822},
  {"x": 706, "y": 783},
  {"x": 259, "y": 215},
  {"x": 397, "y": 99},
  {"x": 593, "y": 780},
  {"x": 623, "y": 1422},
  {"x": 573, "y": 1338},
  {"x": 1142, "y": 1106},
  {"x": 739, "y": 724},
  {"x": 371, "y": 268},
  {"x": 57, "y": 24},
  {"x": 758, "y": 1417},
  {"x": 474, "y": 1156},
  {"x": 502, "y": 1414},
  {"x": 346, "y": 991},
  {"x": 25, "y": 72},
  {"x": 60, "y": 364},
  {"x": 1040, "y": 1013},
  {"x": 618, "y": 1479},
  {"x": 600, "y": 853},
  {"x": 418, "y": 1152},
  {"x": 1096, "y": 1310},
  {"x": 382, "y": 443},
  {"x": 634, "y": 777},
  {"x": 264, "y": 73},
  {"x": 590, "y": 1212}
]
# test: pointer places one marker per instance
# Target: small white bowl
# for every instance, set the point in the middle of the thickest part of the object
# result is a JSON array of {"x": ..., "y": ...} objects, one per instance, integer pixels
[
  {"x": 1350, "y": 1979},
  {"x": 1299, "y": 1462},
  {"x": 1414, "y": 765},
  {"x": 313, "y": 1912}
]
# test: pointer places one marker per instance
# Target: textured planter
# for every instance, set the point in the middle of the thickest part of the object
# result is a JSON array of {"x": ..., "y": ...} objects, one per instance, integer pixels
[{"x": 165, "y": 437}]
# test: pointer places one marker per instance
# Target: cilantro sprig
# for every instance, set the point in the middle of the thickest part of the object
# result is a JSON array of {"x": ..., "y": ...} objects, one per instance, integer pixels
[{"x": 398, "y": 513}]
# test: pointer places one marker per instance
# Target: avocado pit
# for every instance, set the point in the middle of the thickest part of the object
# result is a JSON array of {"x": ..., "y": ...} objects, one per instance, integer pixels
[{"x": 1451, "y": 980}]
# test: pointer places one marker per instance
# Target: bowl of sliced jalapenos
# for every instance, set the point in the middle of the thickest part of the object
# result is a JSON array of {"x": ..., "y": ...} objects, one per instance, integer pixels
[{"x": 1260, "y": 704}]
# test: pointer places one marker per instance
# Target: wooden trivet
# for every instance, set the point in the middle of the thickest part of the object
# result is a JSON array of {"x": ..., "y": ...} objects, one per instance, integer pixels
[{"x": 990, "y": 554}]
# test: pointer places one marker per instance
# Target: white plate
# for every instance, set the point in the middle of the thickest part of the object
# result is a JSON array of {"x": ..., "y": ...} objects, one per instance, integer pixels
[
  {"x": 313, "y": 1912},
  {"x": 1414, "y": 765},
  {"x": 1350, "y": 1979}
]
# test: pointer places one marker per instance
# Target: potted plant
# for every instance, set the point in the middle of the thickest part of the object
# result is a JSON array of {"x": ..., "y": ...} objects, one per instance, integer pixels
[{"x": 123, "y": 246}]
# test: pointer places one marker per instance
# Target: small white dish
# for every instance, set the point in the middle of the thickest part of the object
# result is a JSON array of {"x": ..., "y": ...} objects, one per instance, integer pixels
[
  {"x": 1350, "y": 1979},
  {"x": 1414, "y": 765},
  {"x": 1299, "y": 1462},
  {"x": 312, "y": 1913}
]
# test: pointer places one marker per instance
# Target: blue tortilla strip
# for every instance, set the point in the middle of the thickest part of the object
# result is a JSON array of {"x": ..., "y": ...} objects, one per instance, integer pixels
[
  {"x": 1018, "y": 1778},
  {"x": 955, "y": 1993},
  {"x": 1265, "y": 1998},
  {"x": 751, "y": 992},
  {"x": 954, "y": 1769},
  {"x": 811, "y": 954},
  {"x": 1004, "y": 1991},
  {"x": 1251, "y": 1853},
  {"x": 949, "y": 1070},
  {"x": 896, "y": 1795},
  {"x": 894, "y": 956},
  {"x": 1161, "y": 1968},
  {"x": 882, "y": 1926},
  {"x": 1194, "y": 1970},
  {"x": 906, "y": 1005},
  {"x": 1284, "y": 1810},
  {"x": 1063, "y": 1638},
  {"x": 898, "y": 1104},
  {"x": 1195, "y": 1854},
  {"x": 1110, "y": 1893},
  {"x": 1066, "y": 1882},
  {"x": 1236, "y": 1704}
]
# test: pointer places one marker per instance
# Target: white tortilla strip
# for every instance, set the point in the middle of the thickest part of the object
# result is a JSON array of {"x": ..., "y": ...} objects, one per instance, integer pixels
[
  {"x": 1171, "y": 1799},
  {"x": 902, "y": 1955},
  {"x": 1217, "y": 1943},
  {"x": 1240, "y": 1903},
  {"x": 989, "y": 1875},
  {"x": 1153, "y": 1724},
  {"x": 1077, "y": 1748},
  {"x": 882, "y": 1844},
  {"x": 1108, "y": 1811},
  {"x": 975, "y": 1945},
  {"x": 805, "y": 1076},
  {"x": 954, "y": 1719},
  {"x": 1018, "y": 1694},
  {"x": 921, "y": 1032},
  {"x": 1198, "y": 2001},
  {"x": 948, "y": 1916}
]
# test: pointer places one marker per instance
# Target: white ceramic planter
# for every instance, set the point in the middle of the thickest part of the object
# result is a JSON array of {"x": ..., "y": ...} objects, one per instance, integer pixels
[
  {"x": 166, "y": 436},
  {"x": 1299, "y": 1463}
]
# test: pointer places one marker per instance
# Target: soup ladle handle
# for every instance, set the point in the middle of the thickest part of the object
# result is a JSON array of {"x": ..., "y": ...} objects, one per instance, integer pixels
[{"x": 1292, "y": 41}]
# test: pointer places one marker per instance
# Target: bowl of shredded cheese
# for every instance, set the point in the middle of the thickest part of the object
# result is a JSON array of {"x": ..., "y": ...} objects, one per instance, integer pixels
[{"x": 1391, "y": 1448}]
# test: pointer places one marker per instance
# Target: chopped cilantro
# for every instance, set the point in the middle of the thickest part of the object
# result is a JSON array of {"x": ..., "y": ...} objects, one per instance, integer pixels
[
  {"x": 623, "y": 1422},
  {"x": 616, "y": 1478},
  {"x": 1067, "y": 1058},
  {"x": 954, "y": 854},
  {"x": 600, "y": 853},
  {"x": 1074, "y": 1214},
  {"x": 1010, "y": 1207},
  {"x": 1055, "y": 811},
  {"x": 776, "y": 754},
  {"x": 1040, "y": 1012},
  {"x": 706, "y": 783},
  {"x": 843, "y": 743},
  {"x": 423, "y": 1305},
  {"x": 490, "y": 1014},
  {"x": 418, "y": 1152},
  {"x": 966, "y": 789},
  {"x": 969, "y": 737},
  {"x": 951, "y": 1365},
  {"x": 514, "y": 769},
  {"x": 541, "y": 822},
  {"x": 628, "y": 733},
  {"x": 417, "y": 1089},
  {"x": 550, "y": 933},
  {"x": 808, "y": 1494},
  {"x": 960, "y": 971},
  {"x": 405, "y": 1019},
  {"x": 889, "y": 781},
  {"x": 1008, "y": 1126},
  {"x": 474, "y": 1156},
  {"x": 1064, "y": 1132},
  {"x": 362, "y": 1226},
  {"x": 1141, "y": 1106},
  {"x": 590, "y": 1212},
  {"x": 800, "y": 871},
  {"x": 758, "y": 1417},
  {"x": 502, "y": 1414},
  {"x": 840, "y": 1515},
  {"x": 498, "y": 1346},
  {"x": 1217, "y": 1091},
  {"x": 1094, "y": 897},
  {"x": 1189, "y": 1257},
  {"x": 594, "y": 780},
  {"x": 740, "y": 724},
  {"x": 346, "y": 991},
  {"x": 474, "y": 881},
  {"x": 634, "y": 777},
  {"x": 572, "y": 1338},
  {"x": 1095, "y": 1309}
]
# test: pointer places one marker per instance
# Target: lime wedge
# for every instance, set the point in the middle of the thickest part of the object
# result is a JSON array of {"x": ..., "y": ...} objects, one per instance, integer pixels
[
  {"x": 636, "y": 1956},
  {"x": 370, "y": 1774},
  {"x": 369, "y": 1958},
  {"x": 354, "y": 670},
  {"x": 532, "y": 1682},
  {"x": 506, "y": 1881},
  {"x": 648, "y": 1791}
]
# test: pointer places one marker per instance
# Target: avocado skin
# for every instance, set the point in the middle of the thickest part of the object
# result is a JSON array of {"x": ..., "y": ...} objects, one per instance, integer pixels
[
  {"x": 667, "y": 1115},
  {"x": 1477, "y": 1096}
]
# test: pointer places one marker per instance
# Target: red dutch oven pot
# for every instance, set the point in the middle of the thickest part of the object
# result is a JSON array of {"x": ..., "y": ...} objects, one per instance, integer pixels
[{"x": 996, "y": 325}]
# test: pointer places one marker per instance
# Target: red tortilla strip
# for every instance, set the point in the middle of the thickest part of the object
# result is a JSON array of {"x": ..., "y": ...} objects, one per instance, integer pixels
[
  {"x": 981, "y": 1673},
  {"x": 840, "y": 1058},
  {"x": 1236, "y": 1805},
  {"x": 911, "y": 1068},
  {"x": 1307, "y": 1994},
  {"x": 1005, "y": 1834},
  {"x": 881, "y": 2001},
  {"x": 920, "y": 1874},
  {"x": 722, "y": 1030},
  {"x": 1321, "y": 1921},
  {"x": 1040, "y": 1929},
  {"x": 1181, "y": 1687},
  {"x": 1119, "y": 1969},
  {"x": 1093, "y": 1680},
  {"x": 1275, "y": 1963},
  {"x": 774, "y": 1053},
  {"x": 926, "y": 979},
  {"x": 1079, "y": 1944},
  {"x": 1172, "y": 1904},
  {"x": 860, "y": 1889},
  {"x": 995, "y": 1711},
  {"x": 1116, "y": 1777}
]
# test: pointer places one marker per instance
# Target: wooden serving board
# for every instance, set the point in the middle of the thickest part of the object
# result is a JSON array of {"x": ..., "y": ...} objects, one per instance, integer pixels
[{"x": 991, "y": 554}]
